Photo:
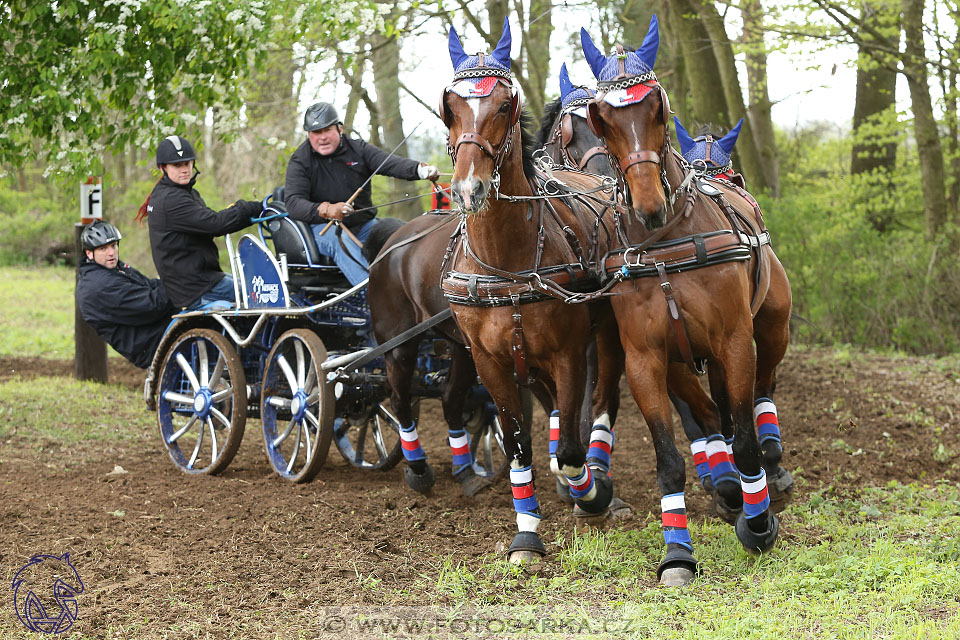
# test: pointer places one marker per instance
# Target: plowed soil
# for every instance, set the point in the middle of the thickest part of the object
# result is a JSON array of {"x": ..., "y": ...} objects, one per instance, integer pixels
[{"x": 249, "y": 541}]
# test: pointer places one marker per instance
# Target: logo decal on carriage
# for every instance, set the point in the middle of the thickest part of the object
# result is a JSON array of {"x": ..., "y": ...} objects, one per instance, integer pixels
[
  {"x": 264, "y": 293},
  {"x": 43, "y": 581}
]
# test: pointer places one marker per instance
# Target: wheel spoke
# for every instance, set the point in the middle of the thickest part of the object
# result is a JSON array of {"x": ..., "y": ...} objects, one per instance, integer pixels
[
  {"x": 217, "y": 370},
  {"x": 213, "y": 441},
  {"x": 222, "y": 395},
  {"x": 202, "y": 363},
  {"x": 196, "y": 449},
  {"x": 361, "y": 441},
  {"x": 278, "y": 402},
  {"x": 296, "y": 449},
  {"x": 220, "y": 417},
  {"x": 287, "y": 372},
  {"x": 298, "y": 347},
  {"x": 378, "y": 438},
  {"x": 187, "y": 371},
  {"x": 312, "y": 419},
  {"x": 310, "y": 383},
  {"x": 309, "y": 444},
  {"x": 286, "y": 433},
  {"x": 182, "y": 430},
  {"x": 173, "y": 396}
]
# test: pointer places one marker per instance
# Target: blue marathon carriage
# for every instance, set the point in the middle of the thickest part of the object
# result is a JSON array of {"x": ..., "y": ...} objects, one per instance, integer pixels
[{"x": 295, "y": 349}]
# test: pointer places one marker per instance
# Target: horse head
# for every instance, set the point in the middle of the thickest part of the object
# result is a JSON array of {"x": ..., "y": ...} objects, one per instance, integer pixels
[
  {"x": 481, "y": 109},
  {"x": 707, "y": 152},
  {"x": 565, "y": 132},
  {"x": 630, "y": 115}
]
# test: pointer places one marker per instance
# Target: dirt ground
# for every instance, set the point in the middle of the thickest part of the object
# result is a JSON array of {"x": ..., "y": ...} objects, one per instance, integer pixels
[{"x": 184, "y": 544}]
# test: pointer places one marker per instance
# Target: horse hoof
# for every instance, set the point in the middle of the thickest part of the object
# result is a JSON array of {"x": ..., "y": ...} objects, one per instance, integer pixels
[
  {"x": 678, "y": 568},
  {"x": 421, "y": 483},
  {"x": 604, "y": 494},
  {"x": 676, "y": 577},
  {"x": 724, "y": 511},
  {"x": 470, "y": 483},
  {"x": 563, "y": 490},
  {"x": 757, "y": 542},
  {"x": 780, "y": 486},
  {"x": 526, "y": 548}
]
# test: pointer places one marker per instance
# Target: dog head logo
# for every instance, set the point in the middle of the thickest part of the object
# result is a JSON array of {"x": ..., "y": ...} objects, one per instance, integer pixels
[{"x": 45, "y": 593}]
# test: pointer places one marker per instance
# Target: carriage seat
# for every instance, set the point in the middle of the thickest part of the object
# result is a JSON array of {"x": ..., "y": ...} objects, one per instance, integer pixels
[{"x": 307, "y": 267}]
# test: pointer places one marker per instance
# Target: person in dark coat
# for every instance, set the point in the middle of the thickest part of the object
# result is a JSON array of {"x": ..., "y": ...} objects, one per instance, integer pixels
[
  {"x": 325, "y": 171},
  {"x": 182, "y": 229},
  {"x": 127, "y": 309}
]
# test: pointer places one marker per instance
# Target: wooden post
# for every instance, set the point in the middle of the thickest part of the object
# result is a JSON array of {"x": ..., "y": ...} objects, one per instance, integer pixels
[{"x": 90, "y": 352}]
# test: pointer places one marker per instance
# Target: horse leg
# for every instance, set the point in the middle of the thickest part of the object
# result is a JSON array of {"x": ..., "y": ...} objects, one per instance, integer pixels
[
  {"x": 499, "y": 381},
  {"x": 646, "y": 375},
  {"x": 756, "y": 526},
  {"x": 400, "y": 364},
  {"x": 772, "y": 335},
  {"x": 590, "y": 483},
  {"x": 461, "y": 376}
]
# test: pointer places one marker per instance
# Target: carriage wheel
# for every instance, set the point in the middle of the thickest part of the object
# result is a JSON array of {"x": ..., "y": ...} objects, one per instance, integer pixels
[
  {"x": 296, "y": 406},
  {"x": 202, "y": 402},
  {"x": 372, "y": 442}
]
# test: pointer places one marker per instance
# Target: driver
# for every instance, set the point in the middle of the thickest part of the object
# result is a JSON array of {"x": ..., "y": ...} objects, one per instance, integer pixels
[
  {"x": 325, "y": 171},
  {"x": 182, "y": 229},
  {"x": 127, "y": 309}
]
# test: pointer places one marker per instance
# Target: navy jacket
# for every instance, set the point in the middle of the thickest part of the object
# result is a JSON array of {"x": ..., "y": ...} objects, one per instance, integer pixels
[
  {"x": 127, "y": 309},
  {"x": 313, "y": 178},
  {"x": 182, "y": 229}
]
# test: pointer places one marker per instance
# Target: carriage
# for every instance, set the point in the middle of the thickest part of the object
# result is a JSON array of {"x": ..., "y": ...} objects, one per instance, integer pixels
[{"x": 296, "y": 350}]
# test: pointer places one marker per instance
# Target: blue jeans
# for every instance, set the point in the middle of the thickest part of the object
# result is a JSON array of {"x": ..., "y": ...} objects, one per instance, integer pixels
[
  {"x": 329, "y": 245},
  {"x": 221, "y": 292}
]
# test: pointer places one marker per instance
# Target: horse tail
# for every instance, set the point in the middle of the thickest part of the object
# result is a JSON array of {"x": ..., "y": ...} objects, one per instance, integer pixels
[{"x": 378, "y": 237}]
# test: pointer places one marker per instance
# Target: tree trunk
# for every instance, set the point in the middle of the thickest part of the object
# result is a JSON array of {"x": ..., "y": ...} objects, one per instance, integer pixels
[
  {"x": 924, "y": 123},
  {"x": 670, "y": 67},
  {"x": 747, "y": 154},
  {"x": 708, "y": 104},
  {"x": 535, "y": 55},
  {"x": 759, "y": 109},
  {"x": 353, "y": 77}
]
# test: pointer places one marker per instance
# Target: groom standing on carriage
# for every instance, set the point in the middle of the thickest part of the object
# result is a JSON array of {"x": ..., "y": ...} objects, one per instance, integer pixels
[{"x": 323, "y": 175}]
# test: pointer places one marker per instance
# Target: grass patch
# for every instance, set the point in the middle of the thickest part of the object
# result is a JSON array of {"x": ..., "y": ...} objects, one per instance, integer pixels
[
  {"x": 68, "y": 411},
  {"x": 38, "y": 316}
]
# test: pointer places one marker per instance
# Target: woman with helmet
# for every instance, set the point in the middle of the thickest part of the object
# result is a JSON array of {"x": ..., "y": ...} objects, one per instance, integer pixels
[
  {"x": 182, "y": 229},
  {"x": 127, "y": 309}
]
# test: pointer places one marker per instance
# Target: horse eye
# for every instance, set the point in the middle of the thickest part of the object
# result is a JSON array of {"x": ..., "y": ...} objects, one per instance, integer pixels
[{"x": 504, "y": 107}]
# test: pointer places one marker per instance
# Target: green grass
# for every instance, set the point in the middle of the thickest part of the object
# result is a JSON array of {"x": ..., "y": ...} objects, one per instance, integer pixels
[{"x": 37, "y": 318}]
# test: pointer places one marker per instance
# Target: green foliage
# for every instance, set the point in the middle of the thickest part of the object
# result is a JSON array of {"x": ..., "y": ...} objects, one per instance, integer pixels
[
  {"x": 852, "y": 283},
  {"x": 38, "y": 312},
  {"x": 81, "y": 77}
]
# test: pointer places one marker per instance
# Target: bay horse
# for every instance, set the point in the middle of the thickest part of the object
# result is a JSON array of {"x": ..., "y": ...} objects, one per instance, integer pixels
[
  {"x": 513, "y": 274},
  {"x": 686, "y": 292},
  {"x": 566, "y": 139}
]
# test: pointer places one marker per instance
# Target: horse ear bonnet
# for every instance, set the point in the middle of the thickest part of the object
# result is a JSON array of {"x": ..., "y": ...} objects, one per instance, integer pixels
[
  {"x": 686, "y": 142},
  {"x": 728, "y": 141}
]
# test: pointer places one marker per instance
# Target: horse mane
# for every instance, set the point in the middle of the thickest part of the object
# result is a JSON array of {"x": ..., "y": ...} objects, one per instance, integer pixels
[
  {"x": 710, "y": 129},
  {"x": 378, "y": 237},
  {"x": 528, "y": 143},
  {"x": 550, "y": 112}
]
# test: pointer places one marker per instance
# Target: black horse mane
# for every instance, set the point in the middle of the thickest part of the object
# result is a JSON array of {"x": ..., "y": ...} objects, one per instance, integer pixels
[
  {"x": 528, "y": 143},
  {"x": 550, "y": 113}
]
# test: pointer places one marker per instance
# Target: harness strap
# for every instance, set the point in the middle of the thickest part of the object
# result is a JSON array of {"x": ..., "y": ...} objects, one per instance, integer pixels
[
  {"x": 412, "y": 238},
  {"x": 475, "y": 138},
  {"x": 638, "y": 157},
  {"x": 676, "y": 321},
  {"x": 519, "y": 345},
  {"x": 591, "y": 153}
]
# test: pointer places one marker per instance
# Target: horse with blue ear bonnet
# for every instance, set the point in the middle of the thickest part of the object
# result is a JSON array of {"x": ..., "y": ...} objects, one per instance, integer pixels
[
  {"x": 700, "y": 256},
  {"x": 709, "y": 155},
  {"x": 519, "y": 260}
]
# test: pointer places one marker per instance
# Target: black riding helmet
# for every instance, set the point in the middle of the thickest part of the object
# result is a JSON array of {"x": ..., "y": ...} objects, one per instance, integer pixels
[
  {"x": 173, "y": 149},
  {"x": 320, "y": 116},
  {"x": 99, "y": 234}
]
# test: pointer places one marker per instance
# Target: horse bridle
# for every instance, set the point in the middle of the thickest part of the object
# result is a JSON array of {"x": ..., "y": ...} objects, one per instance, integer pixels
[
  {"x": 563, "y": 135},
  {"x": 473, "y": 137}
]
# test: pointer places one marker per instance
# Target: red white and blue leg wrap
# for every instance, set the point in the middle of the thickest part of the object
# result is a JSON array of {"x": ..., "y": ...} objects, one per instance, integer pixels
[
  {"x": 675, "y": 521},
  {"x": 733, "y": 461},
  {"x": 554, "y": 441},
  {"x": 410, "y": 443},
  {"x": 756, "y": 499},
  {"x": 582, "y": 486},
  {"x": 459, "y": 449},
  {"x": 699, "y": 450},
  {"x": 768, "y": 426},
  {"x": 601, "y": 444},
  {"x": 721, "y": 468},
  {"x": 525, "y": 499}
]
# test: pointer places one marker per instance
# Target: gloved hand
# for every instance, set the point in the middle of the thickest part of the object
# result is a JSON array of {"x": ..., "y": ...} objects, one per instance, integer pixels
[
  {"x": 334, "y": 210},
  {"x": 428, "y": 172}
]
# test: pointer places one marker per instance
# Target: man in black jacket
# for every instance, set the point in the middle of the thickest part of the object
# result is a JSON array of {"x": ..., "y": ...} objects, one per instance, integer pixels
[
  {"x": 326, "y": 170},
  {"x": 127, "y": 309},
  {"x": 182, "y": 229}
]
